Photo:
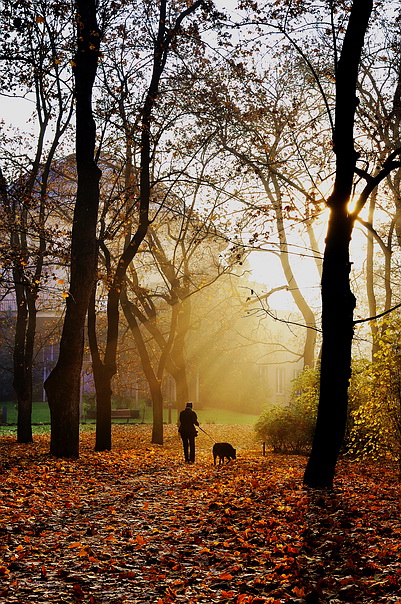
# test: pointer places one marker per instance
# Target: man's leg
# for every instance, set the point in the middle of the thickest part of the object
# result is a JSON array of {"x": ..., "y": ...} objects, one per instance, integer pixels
[
  {"x": 185, "y": 444},
  {"x": 192, "y": 448}
]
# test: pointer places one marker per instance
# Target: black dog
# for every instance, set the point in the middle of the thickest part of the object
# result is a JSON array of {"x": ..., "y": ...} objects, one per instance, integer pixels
[{"x": 222, "y": 450}]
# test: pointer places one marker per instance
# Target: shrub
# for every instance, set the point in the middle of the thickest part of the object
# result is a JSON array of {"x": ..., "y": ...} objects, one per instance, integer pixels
[
  {"x": 376, "y": 419},
  {"x": 287, "y": 430},
  {"x": 290, "y": 429},
  {"x": 374, "y": 411}
]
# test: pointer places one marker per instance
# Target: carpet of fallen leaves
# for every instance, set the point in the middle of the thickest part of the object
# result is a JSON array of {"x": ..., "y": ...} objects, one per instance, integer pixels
[{"x": 139, "y": 525}]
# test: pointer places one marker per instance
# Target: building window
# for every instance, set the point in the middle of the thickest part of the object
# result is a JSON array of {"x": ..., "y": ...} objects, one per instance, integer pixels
[
  {"x": 263, "y": 374},
  {"x": 280, "y": 376}
]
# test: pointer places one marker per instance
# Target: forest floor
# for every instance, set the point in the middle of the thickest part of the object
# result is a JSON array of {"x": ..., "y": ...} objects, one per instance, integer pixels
[{"x": 138, "y": 525}]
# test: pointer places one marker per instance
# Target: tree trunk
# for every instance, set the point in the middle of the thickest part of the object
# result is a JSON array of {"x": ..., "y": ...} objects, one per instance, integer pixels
[
  {"x": 153, "y": 380},
  {"x": 102, "y": 383},
  {"x": 302, "y": 305},
  {"x": 178, "y": 351},
  {"x": 22, "y": 382},
  {"x": 387, "y": 275},
  {"x": 63, "y": 384},
  {"x": 370, "y": 289},
  {"x": 338, "y": 302}
]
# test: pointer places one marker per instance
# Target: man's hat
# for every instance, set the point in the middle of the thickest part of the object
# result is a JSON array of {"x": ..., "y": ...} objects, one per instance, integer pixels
[{"x": 189, "y": 405}]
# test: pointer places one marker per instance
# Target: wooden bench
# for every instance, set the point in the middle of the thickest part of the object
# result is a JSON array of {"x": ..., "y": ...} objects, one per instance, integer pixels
[
  {"x": 117, "y": 414},
  {"x": 125, "y": 414}
]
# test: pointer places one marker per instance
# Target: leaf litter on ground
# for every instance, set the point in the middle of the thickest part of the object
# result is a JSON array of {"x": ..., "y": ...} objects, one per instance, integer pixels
[{"x": 138, "y": 525}]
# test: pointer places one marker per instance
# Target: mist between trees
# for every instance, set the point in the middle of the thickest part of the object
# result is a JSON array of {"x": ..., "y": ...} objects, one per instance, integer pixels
[{"x": 172, "y": 145}]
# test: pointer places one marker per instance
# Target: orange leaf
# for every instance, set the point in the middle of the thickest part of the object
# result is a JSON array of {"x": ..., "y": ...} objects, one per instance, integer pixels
[
  {"x": 242, "y": 599},
  {"x": 225, "y": 577},
  {"x": 140, "y": 540}
]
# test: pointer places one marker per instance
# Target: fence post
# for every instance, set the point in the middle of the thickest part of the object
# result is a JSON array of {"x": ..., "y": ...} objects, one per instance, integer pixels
[{"x": 3, "y": 415}]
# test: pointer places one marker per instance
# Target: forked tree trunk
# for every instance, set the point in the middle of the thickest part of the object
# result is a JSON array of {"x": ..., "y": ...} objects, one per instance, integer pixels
[
  {"x": 63, "y": 384},
  {"x": 163, "y": 41},
  {"x": 338, "y": 302}
]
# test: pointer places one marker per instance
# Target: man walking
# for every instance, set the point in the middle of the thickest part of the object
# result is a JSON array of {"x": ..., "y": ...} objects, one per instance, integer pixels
[{"x": 187, "y": 430}]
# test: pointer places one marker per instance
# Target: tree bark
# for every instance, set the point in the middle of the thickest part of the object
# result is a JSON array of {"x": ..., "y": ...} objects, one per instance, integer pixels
[
  {"x": 338, "y": 302},
  {"x": 63, "y": 384}
]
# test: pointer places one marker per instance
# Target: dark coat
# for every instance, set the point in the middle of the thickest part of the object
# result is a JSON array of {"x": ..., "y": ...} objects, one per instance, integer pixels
[{"x": 188, "y": 421}]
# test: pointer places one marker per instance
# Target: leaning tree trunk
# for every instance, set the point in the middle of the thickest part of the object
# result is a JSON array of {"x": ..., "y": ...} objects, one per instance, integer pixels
[
  {"x": 63, "y": 384},
  {"x": 338, "y": 302}
]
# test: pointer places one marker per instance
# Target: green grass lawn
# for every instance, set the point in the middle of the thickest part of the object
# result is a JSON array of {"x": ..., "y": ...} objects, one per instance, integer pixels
[{"x": 41, "y": 415}]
